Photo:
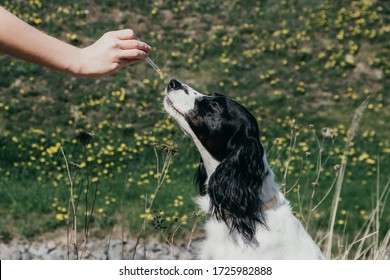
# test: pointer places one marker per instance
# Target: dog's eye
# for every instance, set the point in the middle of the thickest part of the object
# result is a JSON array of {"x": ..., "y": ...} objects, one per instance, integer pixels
[{"x": 215, "y": 106}]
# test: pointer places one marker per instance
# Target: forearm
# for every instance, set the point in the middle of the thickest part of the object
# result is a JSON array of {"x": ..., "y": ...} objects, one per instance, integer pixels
[
  {"x": 23, "y": 41},
  {"x": 115, "y": 49}
]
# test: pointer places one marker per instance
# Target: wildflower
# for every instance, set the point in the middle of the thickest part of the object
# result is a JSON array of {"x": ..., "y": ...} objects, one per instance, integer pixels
[
  {"x": 60, "y": 216},
  {"x": 154, "y": 11},
  {"x": 349, "y": 59},
  {"x": 328, "y": 133},
  {"x": 363, "y": 156},
  {"x": 294, "y": 126},
  {"x": 94, "y": 179}
]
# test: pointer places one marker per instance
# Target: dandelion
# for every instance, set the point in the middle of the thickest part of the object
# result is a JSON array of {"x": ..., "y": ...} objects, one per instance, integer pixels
[
  {"x": 60, "y": 216},
  {"x": 363, "y": 156},
  {"x": 349, "y": 59},
  {"x": 94, "y": 179},
  {"x": 154, "y": 11}
]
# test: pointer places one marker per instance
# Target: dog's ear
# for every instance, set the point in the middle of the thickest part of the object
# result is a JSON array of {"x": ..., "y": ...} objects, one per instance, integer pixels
[
  {"x": 200, "y": 178},
  {"x": 235, "y": 186}
]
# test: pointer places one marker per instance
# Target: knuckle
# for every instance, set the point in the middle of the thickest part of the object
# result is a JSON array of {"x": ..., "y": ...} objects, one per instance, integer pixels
[
  {"x": 136, "y": 54},
  {"x": 114, "y": 43},
  {"x": 108, "y": 34},
  {"x": 130, "y": 32},
  {"x": 141, "y": 45}
]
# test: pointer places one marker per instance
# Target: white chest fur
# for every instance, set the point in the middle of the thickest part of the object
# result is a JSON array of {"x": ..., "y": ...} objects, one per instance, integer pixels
[{"x": 285, "y": 237}]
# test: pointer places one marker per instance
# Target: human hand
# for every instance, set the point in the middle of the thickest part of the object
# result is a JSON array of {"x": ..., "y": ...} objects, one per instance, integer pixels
[{"x": 114, "y": 50}]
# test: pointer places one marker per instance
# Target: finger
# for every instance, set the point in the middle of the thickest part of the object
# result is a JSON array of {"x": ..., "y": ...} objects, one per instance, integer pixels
[
  {"x": 134, "y": 44},
  {"x": 132, "y": 54},
  {"x": 124, "y": 34},
  {"x": 126, "y": 62}
]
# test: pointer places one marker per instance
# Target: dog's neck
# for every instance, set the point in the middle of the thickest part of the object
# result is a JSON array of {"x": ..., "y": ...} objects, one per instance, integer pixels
[
  {"x": 209, "y": 162},
  {"x": 270, "y": 189}
]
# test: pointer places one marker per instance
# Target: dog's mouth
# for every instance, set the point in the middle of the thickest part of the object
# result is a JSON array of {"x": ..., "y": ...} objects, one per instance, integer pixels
[{"x": 170, "y": 104}]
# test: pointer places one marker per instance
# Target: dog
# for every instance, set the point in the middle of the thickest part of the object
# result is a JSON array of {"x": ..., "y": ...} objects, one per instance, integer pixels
[{"x": 249, "y": 218}]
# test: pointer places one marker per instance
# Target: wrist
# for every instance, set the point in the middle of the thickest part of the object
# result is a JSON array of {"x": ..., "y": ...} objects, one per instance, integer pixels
[{"x": 75, "y": 62}]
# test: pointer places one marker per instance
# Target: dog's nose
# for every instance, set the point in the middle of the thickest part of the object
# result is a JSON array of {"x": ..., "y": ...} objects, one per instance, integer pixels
[{"x": 174, "y": 84}]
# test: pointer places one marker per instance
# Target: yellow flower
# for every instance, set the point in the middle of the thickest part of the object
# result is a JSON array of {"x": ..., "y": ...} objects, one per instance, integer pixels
[
  {"x": 60, "y": 216},
  {"x": 350, "y": 59},
  {"x": 37, "y": 21},
  {"x": 154, "y": 11},
  {"x": 148, "y": 216},
  {"x": 175, "y": 53},
  {"x": 363, "y": 156}
]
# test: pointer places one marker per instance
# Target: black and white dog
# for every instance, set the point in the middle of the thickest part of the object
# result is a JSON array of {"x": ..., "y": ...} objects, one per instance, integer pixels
[{"x": 249, "y": 217}]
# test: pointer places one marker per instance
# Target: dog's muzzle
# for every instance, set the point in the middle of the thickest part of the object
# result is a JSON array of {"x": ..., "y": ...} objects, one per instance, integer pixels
[{"x": 174, "y": 85}]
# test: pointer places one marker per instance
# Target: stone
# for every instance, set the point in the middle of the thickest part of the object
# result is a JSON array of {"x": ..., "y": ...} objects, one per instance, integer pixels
[
  {"x": 51, "y": 245},
  {"x": 37, "y": 249},
  {"x": 9, "y": 252}
]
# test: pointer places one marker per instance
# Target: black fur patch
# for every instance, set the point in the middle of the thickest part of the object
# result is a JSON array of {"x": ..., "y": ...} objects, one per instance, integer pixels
[{"x": 231, "y": 135}]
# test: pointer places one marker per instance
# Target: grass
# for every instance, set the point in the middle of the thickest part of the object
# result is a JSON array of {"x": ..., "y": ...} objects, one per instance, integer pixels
[
  {"x": 340, "y": 179},
  {"x": 299, "y": 66}
]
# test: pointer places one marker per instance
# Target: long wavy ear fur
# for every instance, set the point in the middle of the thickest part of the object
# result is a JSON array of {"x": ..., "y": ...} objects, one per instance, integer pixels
[
  {"x": 201, "y": 178},
  {"x": 235, "y": 186}
]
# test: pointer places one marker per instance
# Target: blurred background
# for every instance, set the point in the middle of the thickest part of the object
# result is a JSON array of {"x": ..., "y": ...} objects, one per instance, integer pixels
[{"x": 301, "y": 67}]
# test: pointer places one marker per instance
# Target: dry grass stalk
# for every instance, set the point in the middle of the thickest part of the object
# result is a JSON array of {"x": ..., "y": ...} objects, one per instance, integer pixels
[
  {"x": 170, "y": 151},
  {"x": 336, "y": 198},
  {"x": 71, "y": 236},
  {"x": 293, "y": 140}
]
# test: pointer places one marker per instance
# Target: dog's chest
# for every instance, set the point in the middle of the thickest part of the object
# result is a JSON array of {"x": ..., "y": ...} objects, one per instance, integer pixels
[{"x": 285, "y": 238}]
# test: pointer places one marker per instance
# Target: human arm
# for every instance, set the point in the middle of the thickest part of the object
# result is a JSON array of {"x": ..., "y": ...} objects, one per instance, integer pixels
[{"x": 112, "y": 51}]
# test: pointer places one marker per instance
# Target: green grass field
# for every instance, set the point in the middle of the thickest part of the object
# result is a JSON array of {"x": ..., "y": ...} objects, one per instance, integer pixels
[{"x": 301, "y": 67}]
